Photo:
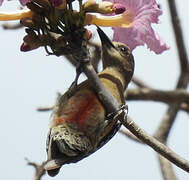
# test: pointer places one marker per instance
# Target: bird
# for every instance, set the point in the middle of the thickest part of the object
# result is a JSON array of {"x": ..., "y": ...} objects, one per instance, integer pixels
[{"x": 80, "y": 124}]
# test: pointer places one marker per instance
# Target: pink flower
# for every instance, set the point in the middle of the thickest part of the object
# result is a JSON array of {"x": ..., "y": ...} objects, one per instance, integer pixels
[
  {"x": 1, "y": 1},
  {"x": 144, "y": 12},
  {"x": 22, "y": 2}
]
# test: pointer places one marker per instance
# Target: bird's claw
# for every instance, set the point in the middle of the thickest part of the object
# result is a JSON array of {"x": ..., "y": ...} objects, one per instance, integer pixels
[{"x": 123, "y": 109}]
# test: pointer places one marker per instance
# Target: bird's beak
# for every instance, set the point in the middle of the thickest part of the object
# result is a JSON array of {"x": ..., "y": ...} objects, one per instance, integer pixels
[{"x": 106, "y": 42}]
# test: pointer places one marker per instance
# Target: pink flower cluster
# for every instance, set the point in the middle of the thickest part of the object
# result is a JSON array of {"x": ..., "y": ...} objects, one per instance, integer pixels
[{"x": 134, "y": 24}]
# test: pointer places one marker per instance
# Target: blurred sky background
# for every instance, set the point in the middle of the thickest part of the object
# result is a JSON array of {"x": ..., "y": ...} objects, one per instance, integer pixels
[{"x": 32, "y": 79}]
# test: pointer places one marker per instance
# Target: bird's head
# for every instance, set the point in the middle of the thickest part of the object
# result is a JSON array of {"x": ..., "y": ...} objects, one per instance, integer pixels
[{"x": 118, "y": 55}]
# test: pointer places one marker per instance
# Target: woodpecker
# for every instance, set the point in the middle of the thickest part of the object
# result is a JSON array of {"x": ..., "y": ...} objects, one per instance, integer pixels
[{"x": 79, "y": 125}]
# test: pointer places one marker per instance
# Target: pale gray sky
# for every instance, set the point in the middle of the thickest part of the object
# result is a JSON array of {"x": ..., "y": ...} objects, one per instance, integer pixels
[{"x": 32, "y": 79}]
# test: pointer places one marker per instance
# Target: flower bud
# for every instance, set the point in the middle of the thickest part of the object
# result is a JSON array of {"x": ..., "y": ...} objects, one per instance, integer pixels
[
  {"x": 119, "y": 8},
  {"x": 30, "y": 42},
  {"x": 28, "y": 22},
  {"x": 25, "y": 47},
  {"x": 60, "y": 4}
]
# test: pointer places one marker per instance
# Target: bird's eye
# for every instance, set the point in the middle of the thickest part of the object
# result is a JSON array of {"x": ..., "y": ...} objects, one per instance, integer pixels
[{"x": 124, "y": 50}]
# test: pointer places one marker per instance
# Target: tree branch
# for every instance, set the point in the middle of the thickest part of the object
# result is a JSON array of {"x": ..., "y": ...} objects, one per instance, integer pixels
[
  {"x": 39, "y": 169},
  {"x": 178, "y": 35},
  {"x": 166, "y": 168},
  {"x": 170, "y": 97},
  {"x": 139, "y": 83},
  {"x": 130, "y": 135},
  {"x": 155, "y": 144}
]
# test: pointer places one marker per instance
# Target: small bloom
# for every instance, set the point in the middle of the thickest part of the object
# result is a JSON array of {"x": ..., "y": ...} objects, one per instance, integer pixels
[{"x": 25, "y": 47}]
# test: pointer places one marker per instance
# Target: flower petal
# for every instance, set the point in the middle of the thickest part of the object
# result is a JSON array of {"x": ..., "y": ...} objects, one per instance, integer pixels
[
  {"x": 145, "y": 12},
  {"x": 129, "y": 36},
  {"x": 1, "y": 1},
  {"x": 23, "y": 2},
  {"x": 139, "y": 35}
]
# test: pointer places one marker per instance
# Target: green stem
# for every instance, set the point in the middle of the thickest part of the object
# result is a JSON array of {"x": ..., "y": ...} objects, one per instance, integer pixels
[
  {"x": 80, "y": 6},
  {"x": 70, "y": 6}
]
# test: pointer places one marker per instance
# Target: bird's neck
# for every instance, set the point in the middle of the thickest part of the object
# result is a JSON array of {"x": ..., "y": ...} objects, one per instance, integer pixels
[{"x": 114, "y": 73}]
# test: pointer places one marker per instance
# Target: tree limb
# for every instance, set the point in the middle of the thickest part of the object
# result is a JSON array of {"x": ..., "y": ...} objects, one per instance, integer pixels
[
  {"x": 170, "y": 97},
  {"x": 130, "y": 135},
  {"x": 139, "y": 82},
  {"x": 39, "y": 169},
  {"x": 155, "y": 144}
]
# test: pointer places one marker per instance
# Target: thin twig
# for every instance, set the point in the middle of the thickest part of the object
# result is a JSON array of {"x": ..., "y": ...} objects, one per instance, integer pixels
[
  {"x": 155, "y": 144},
  {"x": 95, "y": 54},
  {"x": 175, "y": 96},
  {"x": 166, "y": 168},
  {"x": 43, "y": 109},
  {"x": 169, "y": 97},
  {"x": 139, "y": 82},
  {"x": 178, "y": 35},
  {"x": 39, "y": 169}
]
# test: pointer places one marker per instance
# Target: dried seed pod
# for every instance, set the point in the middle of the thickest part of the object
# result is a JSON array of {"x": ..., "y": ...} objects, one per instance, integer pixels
[{"x": 31, "y": 41}]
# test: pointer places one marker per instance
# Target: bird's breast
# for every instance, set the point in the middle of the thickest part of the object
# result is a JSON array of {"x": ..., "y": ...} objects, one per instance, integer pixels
[{"x": 82, "y": 111}]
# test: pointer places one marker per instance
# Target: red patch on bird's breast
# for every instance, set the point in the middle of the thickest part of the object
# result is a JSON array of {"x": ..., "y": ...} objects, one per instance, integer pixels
[{"x": 81, "y": 110}]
